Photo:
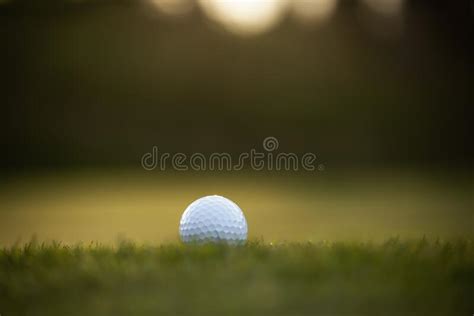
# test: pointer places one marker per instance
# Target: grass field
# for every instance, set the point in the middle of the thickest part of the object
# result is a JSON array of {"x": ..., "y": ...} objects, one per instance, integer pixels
[
  {"x": 391, "y": 278},
  {"x": 331, "y": 252},
  {"x": 146, "y": 207}
]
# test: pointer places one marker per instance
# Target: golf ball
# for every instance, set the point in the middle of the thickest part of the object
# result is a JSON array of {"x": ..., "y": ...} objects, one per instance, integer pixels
[{"x": 213, "y": 219}]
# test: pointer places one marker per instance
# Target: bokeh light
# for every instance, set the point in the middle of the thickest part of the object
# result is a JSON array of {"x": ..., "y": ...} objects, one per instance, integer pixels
[
  {"x": 313, "y": 11},
  {"x": 245, "y": 17}
]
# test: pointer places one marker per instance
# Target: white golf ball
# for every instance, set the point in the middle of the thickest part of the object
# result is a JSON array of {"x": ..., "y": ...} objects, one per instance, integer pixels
[{"x": 213, "y": 219}]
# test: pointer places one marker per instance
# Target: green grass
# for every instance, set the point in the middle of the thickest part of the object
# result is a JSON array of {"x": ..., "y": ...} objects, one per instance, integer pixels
[{"x": 391, "y": 278}]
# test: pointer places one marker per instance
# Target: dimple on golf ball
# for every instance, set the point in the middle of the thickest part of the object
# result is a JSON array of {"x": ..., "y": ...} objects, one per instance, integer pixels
[{"x": 213, "y": 219}]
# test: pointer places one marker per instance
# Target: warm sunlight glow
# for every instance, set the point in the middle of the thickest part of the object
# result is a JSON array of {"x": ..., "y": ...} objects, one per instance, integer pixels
[
  {"x": 245, "y": 17},
  {"x": 313, "y": 11},
  {"x": 386, "y": 7}
]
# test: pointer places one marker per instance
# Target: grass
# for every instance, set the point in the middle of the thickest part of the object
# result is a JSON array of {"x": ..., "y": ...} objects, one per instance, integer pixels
[
  {"x": 100, "y": 205},
  {"x": 392, "y": 278}
]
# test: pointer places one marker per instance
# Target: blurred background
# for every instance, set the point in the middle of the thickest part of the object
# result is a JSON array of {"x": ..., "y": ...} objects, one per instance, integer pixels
[{"x": 380, "y": 90}]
